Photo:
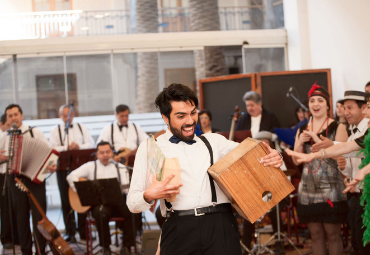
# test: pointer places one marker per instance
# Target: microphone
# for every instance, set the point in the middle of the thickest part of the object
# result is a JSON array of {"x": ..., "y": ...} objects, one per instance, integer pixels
[
  {"x": 289, "y": 91},
  {"x": 14, "y": 126},
  {"x": 114, "y": 162}
]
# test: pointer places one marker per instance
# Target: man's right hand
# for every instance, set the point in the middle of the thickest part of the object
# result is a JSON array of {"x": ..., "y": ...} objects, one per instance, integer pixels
[
  {"x": 161, "y": 189},
  {"x": 2, "y": 156}
]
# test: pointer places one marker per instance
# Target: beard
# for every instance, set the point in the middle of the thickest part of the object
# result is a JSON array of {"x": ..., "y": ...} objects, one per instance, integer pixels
[{"x": 178, "y": 133}]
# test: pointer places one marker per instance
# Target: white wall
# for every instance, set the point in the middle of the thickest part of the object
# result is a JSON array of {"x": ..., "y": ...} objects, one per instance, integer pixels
[
  {"x": 330, "y": 34},
  {"x": 8, "y": 6}
]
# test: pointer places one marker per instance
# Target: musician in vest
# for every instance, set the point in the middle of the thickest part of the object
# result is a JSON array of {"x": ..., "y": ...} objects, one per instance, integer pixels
[
  {"x": 104, "y": 168},
  {"x": 79, "y": 138},
  {"x": 124, "y": 136},
  {"x": 200, "y": 220},
  {"x": 21, "y": 203}
]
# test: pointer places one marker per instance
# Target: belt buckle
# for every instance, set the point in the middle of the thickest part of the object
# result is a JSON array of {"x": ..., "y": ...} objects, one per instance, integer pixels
[{"x": 196, "y": 213}]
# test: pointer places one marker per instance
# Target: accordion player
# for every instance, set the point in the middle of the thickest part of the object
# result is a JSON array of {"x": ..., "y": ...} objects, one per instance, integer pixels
[{"x": 31, "y": 157}]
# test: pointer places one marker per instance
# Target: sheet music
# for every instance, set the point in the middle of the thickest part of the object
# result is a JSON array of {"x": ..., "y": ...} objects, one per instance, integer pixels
[{"x": 155, "y": 160}]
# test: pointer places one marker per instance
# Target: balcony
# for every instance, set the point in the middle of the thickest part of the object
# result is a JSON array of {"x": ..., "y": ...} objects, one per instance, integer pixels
[{"x": 39, "y": 25}]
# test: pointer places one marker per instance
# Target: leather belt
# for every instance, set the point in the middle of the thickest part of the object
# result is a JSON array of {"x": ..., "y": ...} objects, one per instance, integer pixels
[{"x": 219, "y": 208}]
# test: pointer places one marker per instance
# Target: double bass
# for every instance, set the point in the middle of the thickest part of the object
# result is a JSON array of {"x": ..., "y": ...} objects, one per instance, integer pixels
[{"x": 236, "y": 116}]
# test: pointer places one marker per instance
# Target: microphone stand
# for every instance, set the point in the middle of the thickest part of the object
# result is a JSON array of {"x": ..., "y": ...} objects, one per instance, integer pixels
[
  {"x": 297, "y": 100},
  {"x": 68, "y": 170},
  {"x": 13, "y": 131}
]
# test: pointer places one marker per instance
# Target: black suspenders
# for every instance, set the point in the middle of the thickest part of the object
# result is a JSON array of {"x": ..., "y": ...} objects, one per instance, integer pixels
[
  {"x": 118, "y": 173},
  {"x": 213, "y": 189},
  {"x": 60, "y": 134},
  {"x": 111, "y": 135}
]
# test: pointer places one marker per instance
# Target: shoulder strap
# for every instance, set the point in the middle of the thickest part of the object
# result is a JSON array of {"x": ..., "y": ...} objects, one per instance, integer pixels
[
  {"x": 82, "y": 133},
  {"x": 111, "y": 137},
  {"x": 60, "y": 136},
  {"x": 213, "y": 189},
  {"x": 31, "y": 132},
  {"x": 137, "y": 135},
  {"x": 95, "y": 170}
]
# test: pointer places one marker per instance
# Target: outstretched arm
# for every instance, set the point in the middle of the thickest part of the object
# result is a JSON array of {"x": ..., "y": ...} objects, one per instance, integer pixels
[
  {"x": 359, "y": 177},
  {"x": 333, "y": 151}
]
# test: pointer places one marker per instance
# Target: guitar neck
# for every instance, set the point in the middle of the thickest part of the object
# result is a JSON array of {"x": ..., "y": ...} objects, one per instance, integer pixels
[{"x": 41, "y": 211}]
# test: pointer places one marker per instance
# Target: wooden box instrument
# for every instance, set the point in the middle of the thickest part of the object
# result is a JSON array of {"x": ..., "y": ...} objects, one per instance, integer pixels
[
  {"x": 245, "y": 181},
  {"x": 30, "y": 157}
]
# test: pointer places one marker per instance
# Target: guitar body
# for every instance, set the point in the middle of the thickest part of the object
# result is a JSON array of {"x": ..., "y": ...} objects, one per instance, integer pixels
[
  {"x": 122, "y": 156},
  {"x": 51, "y": 234},
  {"x": 74, "y": 200},
  {"x": 46, "y": 228}
]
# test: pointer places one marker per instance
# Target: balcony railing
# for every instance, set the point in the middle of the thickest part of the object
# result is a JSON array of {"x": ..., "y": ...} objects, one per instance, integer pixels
[{"x": 34, "y": 25}]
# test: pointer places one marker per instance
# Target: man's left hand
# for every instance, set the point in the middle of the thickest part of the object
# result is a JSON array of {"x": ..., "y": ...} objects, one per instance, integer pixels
[
  {"x": 272, "y": 159},
  {"x": 52, "y": 168},
  {"x": 325, "y": 143}
]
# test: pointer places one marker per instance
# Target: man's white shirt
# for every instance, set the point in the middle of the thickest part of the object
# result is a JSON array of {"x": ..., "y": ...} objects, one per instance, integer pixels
[
  {"x": 353, "y": 163},
  {"x": 125, "y": 138},
  {"x": 102, "y": 172},
  {"x": 83, "y": 139},
  {"x": 194, "y": 161}
]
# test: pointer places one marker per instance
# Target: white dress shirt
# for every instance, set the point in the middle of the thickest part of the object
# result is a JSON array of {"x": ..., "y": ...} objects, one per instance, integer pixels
[
  {"x": 353, "y": 163},
  {"x": 194, "y": 161},
  {"x": 255, "y": 124},
  {"x": 126, "y": 138},
  {"x": 102, "y": 172},
  {"x": 84, "y": 139},
  {"x": 37, "y": 133}
]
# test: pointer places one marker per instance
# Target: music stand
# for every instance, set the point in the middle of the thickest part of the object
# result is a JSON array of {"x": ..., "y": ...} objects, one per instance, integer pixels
[{"x": 102, "y": 192}]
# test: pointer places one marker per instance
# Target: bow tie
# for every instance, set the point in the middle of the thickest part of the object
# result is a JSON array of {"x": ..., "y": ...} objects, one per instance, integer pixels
[
  {"x": 175, "y": 139},
  {"x": 121, "y": 126},
  {"x": 355, "y": 130}
]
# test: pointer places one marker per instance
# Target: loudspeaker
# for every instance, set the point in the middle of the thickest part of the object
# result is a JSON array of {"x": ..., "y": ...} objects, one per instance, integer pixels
[{"x": 150, "y": 241}]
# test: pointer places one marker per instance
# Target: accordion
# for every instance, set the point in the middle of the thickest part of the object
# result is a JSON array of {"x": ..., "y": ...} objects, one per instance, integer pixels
[{"x": 30, "y": 157}]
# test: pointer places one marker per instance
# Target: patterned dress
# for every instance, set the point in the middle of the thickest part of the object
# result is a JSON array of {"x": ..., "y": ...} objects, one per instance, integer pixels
[{"x": 320, "y": 197}]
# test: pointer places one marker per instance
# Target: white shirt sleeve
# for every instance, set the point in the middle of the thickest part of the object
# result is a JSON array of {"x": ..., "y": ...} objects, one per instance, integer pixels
[
  {"x": 135, "y": 199},
  {"x": 81, "y": 172},
  {"x": 141, "y": 134}
]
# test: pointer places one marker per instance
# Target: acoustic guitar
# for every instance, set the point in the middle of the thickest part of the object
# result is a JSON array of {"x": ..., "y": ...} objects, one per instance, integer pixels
[
  {"x": 122, "y": 156},
  {"x": 75, "y": 201},
  {"x": 46, "y": 228}
]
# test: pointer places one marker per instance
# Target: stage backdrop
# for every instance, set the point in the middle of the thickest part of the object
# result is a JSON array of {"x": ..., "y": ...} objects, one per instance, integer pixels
[{"x": 221, "y": 94}]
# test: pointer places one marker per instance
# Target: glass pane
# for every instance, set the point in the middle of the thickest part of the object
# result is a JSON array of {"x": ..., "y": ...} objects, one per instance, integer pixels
[
  {"x": 90, "y": 76},
  {"x": 125, "y": 72},
  {"x": 177, "y": 67},
  {"x": 264, "y": 60},
  {"x": 6, "y": 82},
  {"x": 41, "y": 88}
]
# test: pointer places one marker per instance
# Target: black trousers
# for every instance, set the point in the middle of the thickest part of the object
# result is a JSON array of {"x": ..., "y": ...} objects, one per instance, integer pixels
[
  {"x": 6, "y": 233},
  {"x": 355, "y": 223},
  {"x": 102, "y": 223},
  {"x": 68, "y": 213},
  {"x": 22, "y": 205},
  {"x": 210, "y": 234}
]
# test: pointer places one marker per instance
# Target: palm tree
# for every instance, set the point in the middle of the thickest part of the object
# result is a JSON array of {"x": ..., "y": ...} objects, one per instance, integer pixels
[
  {"x": 147, "y": 62},
  {"x": 204, "y": 17}
]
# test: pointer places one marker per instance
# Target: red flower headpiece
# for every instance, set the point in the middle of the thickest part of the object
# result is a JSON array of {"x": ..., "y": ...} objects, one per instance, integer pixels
[{"x": 317, "y": 90}]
